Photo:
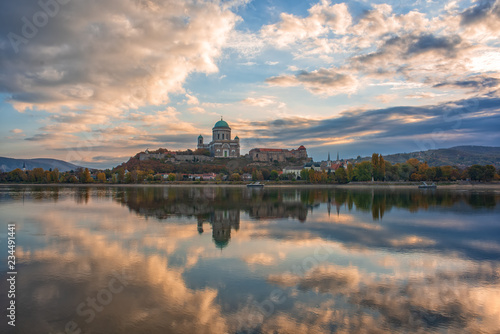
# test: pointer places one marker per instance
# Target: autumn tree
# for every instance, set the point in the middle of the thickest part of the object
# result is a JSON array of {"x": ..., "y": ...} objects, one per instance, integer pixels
[
  {"x": 17, "y": 175},
  {"x": 55, "y": 175},
  {"x": 101, "y": 177},
  {"x": 86, "y": 178},
  {"x": 378, "y": 167}
]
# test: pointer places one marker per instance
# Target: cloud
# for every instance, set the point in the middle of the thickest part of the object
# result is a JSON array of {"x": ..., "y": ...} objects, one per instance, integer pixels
[
  {"x": 322, "y": 82},
  {"x": 477, "y": 83},
  {"x": 16, "y": 131},
  {"x": 192, "y": 100},
  {"x": 323, "y": 18},
  {"x": 413, "y": 56},
  {"x": 386, "y": 98},
  {"x": 260, "y": 258},
  {"x": 380, "y": 44},
  {"x": 308, "y": 36},
  {"x": 262, "y": 101},
  {"x": 198, "y": 110},
  {"x": 485, "y": 14},
  {"x": 80, "y": 53},
  {"x": 165, "y": 294},
  {"x": 52, "y": 137},
  {"x": 423, "y": 127}
]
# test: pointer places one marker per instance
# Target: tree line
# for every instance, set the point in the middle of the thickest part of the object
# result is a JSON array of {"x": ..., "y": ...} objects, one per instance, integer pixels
[{"x": 377, "y": 169}]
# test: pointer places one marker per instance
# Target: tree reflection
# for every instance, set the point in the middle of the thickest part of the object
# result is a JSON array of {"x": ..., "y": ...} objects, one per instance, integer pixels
[{"x": 282, "y": 203}]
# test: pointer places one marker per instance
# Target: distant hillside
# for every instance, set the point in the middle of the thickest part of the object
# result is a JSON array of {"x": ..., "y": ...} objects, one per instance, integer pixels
[
  {"x": 8, "y": 164},
  {"x": 460, "y": 156}
]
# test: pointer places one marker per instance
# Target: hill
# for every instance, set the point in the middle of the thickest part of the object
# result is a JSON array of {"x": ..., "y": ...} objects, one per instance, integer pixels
[
  {"x": 8, "y": 164},
  {"x": 460, "y": 156}
]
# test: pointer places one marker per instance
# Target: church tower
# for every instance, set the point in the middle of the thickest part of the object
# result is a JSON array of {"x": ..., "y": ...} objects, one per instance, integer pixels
[
  {"x": 221, "y": 146},
  {"x": 200, "y": 141}
]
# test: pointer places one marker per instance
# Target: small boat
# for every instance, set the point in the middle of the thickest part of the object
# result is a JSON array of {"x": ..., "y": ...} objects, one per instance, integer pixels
[
  {"x": 255, "y": 185},
  {"x": 425, "y": 185}
]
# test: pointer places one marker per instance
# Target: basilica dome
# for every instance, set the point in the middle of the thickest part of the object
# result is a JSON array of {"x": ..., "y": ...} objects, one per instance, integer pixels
[{"x": 221, "y": 124}]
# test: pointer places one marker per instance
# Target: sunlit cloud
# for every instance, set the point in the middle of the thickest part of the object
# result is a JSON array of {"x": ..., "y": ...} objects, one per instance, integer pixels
[{"x": 150, "y": 66}]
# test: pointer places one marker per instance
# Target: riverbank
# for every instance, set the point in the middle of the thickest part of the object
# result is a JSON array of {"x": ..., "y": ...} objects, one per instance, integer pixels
[{"x": 354, "y": 185}]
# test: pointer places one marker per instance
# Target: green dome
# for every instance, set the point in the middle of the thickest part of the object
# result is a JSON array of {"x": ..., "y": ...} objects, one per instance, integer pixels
[
  {"x": 221, "y": 124},
  {"x": 200, "y": 136}
]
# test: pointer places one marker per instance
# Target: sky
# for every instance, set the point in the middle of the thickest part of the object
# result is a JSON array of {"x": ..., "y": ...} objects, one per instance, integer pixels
[{"x": 94, "y": 82}]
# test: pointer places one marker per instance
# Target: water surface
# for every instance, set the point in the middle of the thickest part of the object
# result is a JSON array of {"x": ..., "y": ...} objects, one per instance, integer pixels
[{"x": 237, "y": 260}]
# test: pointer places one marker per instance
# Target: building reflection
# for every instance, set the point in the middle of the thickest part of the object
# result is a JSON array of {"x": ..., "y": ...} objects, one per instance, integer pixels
[
  {"x": 222, "y": 221},
  {"x": 221, "y": 207}
]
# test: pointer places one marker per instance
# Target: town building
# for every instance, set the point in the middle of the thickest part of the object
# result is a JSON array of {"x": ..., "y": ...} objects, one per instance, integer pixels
[
  {"x": 221, "y": 146},
  {"x": 277, "y": 154},
  {"x": 295, "y": 170},
  {"x": 333, "y": 165},
  {"x": 313, "y": 165}
]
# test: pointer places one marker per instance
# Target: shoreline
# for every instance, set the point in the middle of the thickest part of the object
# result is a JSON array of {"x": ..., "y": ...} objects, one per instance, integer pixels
[{"x": 363, "y": 186}]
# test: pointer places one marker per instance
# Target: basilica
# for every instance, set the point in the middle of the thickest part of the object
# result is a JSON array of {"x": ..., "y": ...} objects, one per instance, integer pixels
[{"x": 221, "y": 146}]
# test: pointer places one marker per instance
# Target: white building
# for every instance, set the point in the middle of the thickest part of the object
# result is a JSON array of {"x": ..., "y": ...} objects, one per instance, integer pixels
[{"x": 221, "y": 146}]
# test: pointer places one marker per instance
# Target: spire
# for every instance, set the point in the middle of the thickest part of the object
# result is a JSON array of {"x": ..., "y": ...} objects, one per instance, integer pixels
[
  {"x": 328, "y": 156},
  {"x": 338, "y": 156}
]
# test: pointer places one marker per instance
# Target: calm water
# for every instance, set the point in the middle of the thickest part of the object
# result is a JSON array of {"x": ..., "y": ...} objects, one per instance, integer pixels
[{"x": 237, "y": 260}]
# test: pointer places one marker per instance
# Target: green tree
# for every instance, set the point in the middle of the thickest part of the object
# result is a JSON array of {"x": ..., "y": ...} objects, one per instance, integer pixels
[
  {"x": 235, "y": 177},
  {"x": 17, "y": 175},
  {"x": 391, "y": 172},
  {"x": 489, "y": 172},
  {"x": 311, "y": 176},
  {"x": 350, "y": 172},
  {"x": 121, "y": 175},
  {"x": 476, "y": 172},
  {"x": 304, "y": 175},
  {"x": 274, "y": 175},
  {"x": 55, "y": 175},
  {"x": 341, "y": 175},
  {"x": 108, "y": 173},
  {"x": 363, "y": 171}
]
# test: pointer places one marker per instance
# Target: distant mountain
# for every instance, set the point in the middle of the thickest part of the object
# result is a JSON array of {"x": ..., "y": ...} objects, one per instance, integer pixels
[
  {"x": 460, "y": 156},
  {"x": 8, "y": 164}
]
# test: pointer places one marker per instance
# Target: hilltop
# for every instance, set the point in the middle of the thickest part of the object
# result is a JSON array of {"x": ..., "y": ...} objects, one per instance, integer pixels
[
  {"x": 198, "y": 161},
  {"x": 9, "y": 164},
  {"x": 459, "y": 156}
]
